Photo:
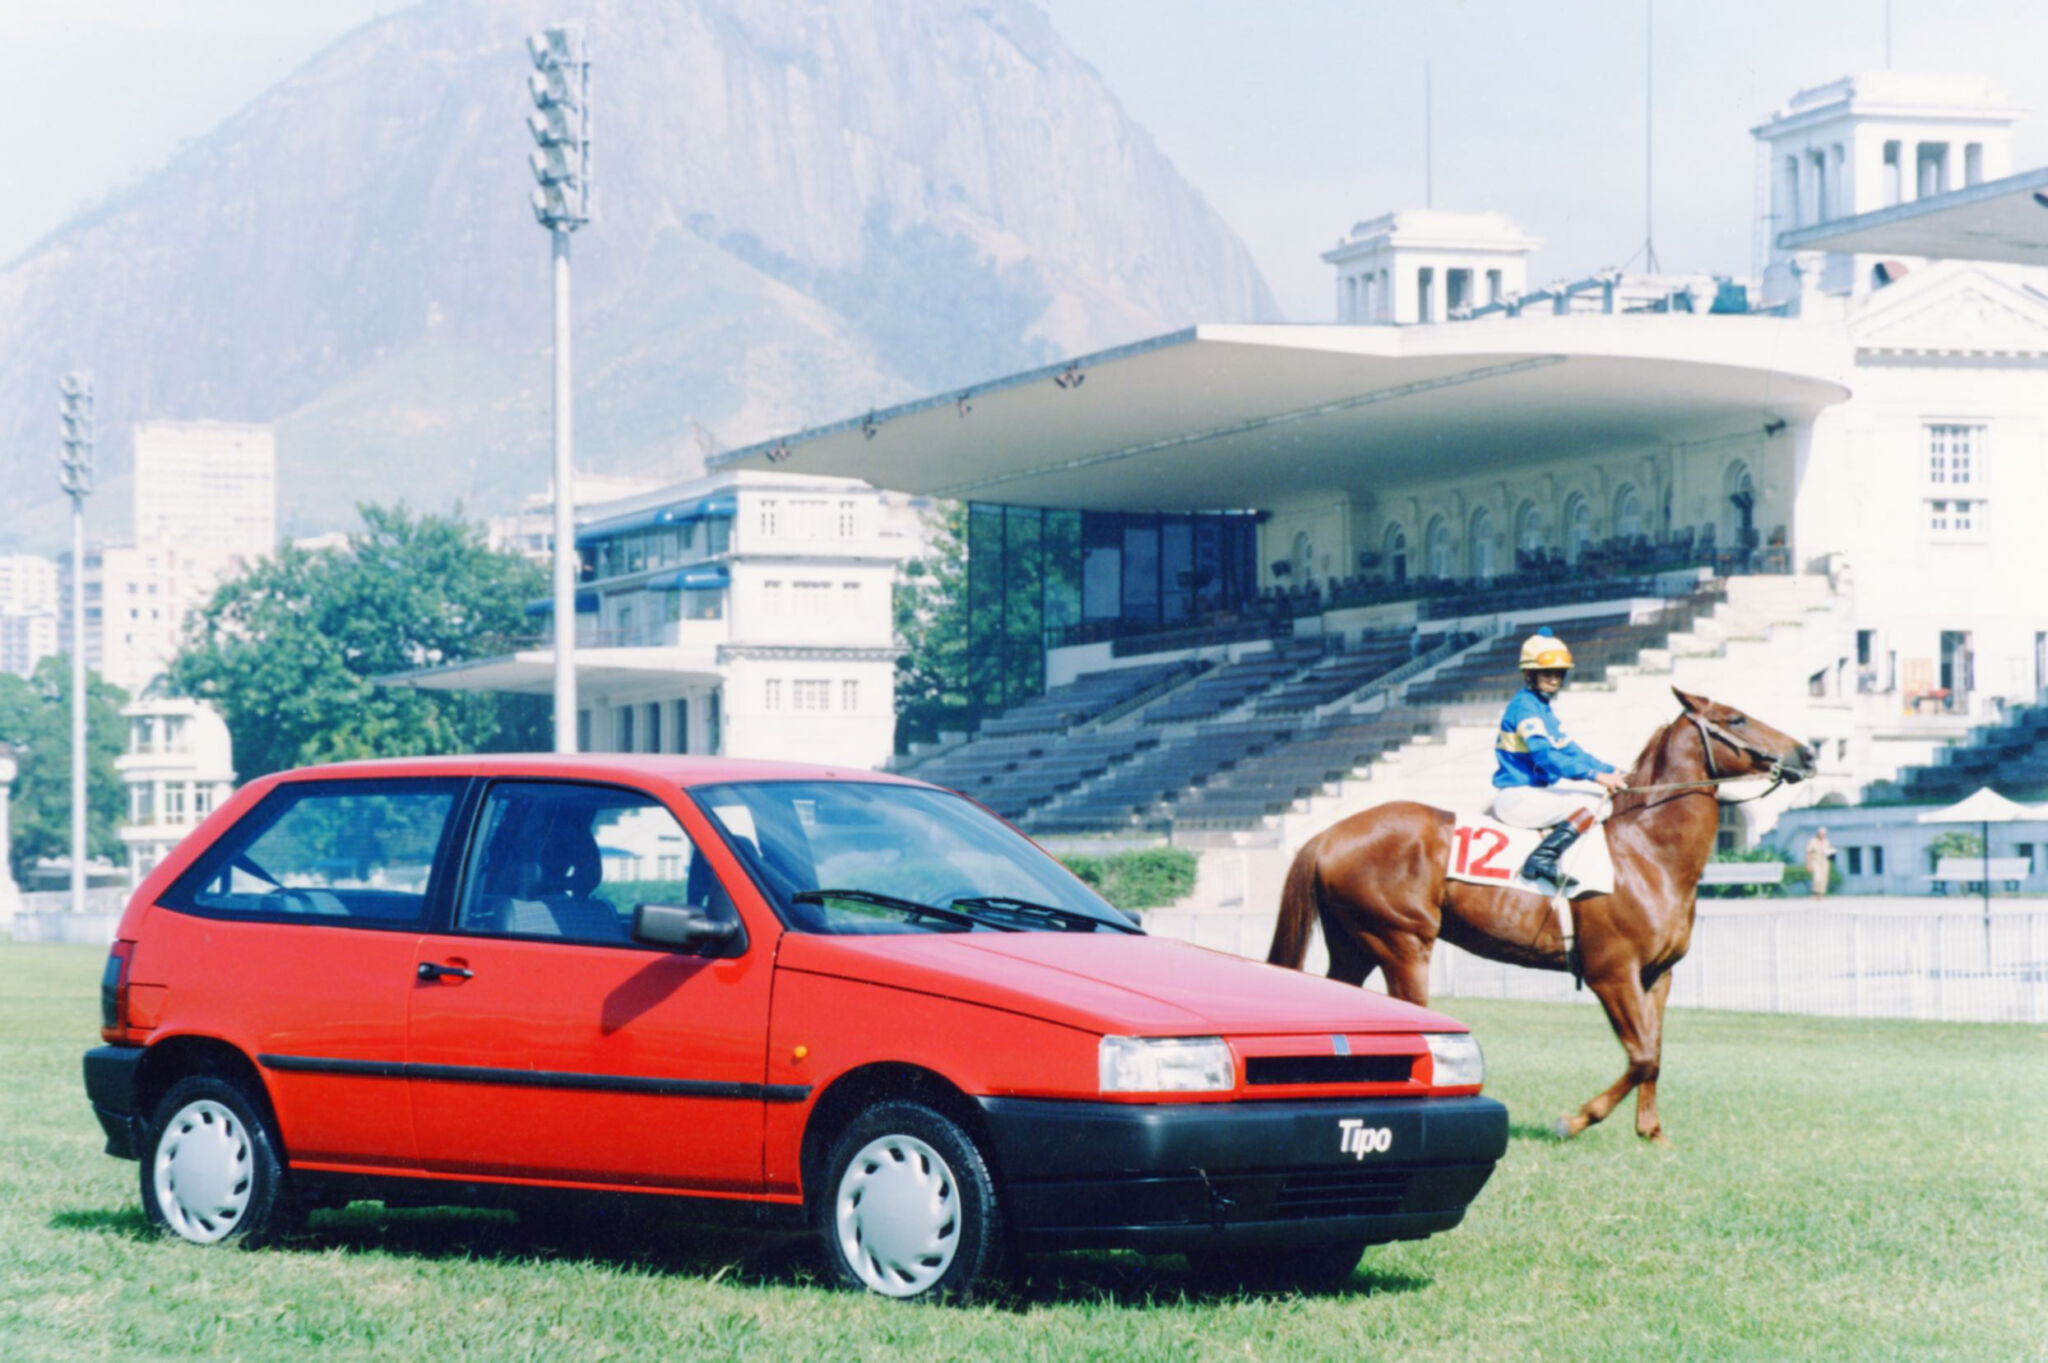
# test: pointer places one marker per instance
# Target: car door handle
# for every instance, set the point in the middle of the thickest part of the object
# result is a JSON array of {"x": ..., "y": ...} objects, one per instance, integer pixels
[{"x": 433, "y": 970}]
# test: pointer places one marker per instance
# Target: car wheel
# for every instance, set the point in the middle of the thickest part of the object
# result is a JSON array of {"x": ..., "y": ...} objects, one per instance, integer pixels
[
  {"x": 210, "y": 1170},
  {"x": 1306, "y": 1268},
  {"x": 908, "y": 1208}
]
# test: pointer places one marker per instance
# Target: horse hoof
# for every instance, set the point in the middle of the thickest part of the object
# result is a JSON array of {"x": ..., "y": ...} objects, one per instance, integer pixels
[
  {"x": 1567, "y": 1127},
  {"x": 1658, "y": 1139}
]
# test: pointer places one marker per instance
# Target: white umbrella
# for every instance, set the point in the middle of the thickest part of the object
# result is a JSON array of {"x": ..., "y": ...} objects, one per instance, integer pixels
[{"x": 1984, "y": 809}]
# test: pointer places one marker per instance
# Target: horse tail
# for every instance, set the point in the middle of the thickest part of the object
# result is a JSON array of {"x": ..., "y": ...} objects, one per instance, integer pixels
[{"x": 1300, "y": 907}]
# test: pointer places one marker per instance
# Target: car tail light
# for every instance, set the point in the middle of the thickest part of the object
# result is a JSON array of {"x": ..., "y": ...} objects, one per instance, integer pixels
[{"x": 114, "y": 990}]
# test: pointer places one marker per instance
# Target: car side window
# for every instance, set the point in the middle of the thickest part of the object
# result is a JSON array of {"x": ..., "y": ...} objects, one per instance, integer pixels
[
  {"x": 345, "y": 852},
  {"x": 572, "y": 862}
]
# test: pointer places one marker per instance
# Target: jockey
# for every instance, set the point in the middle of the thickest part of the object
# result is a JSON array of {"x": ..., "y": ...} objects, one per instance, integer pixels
[{"x": 1542, "y": 779}]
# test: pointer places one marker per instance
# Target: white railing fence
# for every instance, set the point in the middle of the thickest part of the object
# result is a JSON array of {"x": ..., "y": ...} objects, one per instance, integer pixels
[{"x": 1938, "y": 967}]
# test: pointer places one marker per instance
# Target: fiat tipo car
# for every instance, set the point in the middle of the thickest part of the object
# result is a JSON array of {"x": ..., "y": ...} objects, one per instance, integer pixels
[{"x": 849, "y": 1003}]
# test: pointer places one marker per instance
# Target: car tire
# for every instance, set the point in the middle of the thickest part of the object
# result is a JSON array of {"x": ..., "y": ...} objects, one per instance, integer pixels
[
  {"x": 211, "y": 1173},
  {"x": 1306, "y": 1268},
  {"x": 908, "y": 1208}
]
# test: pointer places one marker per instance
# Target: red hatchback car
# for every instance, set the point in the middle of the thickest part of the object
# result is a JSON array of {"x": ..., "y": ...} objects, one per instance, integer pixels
[{"x": 835, "y": 1000}]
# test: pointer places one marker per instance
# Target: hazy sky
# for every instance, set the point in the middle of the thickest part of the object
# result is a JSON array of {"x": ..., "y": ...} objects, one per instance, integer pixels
[{"x": 1295, "y": 117}]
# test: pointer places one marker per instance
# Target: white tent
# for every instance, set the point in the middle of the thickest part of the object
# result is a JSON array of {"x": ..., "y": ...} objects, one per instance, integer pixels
[{"x": 1984, "y": 809}]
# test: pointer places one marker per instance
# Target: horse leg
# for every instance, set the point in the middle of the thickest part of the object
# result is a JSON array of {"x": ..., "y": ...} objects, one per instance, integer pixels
[
  {"x": 1350, "y": 961},
  {"x": 1647, "y": 1125},
  {"x": 1405, "y": 959},
  {"x": 1629, "y": 1012}
]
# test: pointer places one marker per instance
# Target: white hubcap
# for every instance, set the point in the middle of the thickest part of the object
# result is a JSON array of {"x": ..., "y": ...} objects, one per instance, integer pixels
[
  {"x": 203, "y": 1172},
  {"x": 898, "y": 1214}
]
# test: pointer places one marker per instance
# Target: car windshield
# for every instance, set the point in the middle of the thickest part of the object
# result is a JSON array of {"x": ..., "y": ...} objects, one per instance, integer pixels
[{"x": 848, "y": 857}]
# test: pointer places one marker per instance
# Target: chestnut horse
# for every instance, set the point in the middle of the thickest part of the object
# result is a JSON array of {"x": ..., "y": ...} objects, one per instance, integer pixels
[{"x": 1378, "y": 882}]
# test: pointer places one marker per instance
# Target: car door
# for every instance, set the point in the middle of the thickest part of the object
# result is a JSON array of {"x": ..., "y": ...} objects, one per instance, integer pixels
[
  {"x": 544, "y": 1043},
  {"x": 297, "y": 936}
]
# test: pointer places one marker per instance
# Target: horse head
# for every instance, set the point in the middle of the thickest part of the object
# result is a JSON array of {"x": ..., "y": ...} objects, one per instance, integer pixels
[{"x": 1738, "y": 745}]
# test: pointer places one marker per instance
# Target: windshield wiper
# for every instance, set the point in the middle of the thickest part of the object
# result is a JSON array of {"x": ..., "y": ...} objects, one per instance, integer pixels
[
  {"x": 1072, "y": 919},
  {"x": 911, "y": 907}
]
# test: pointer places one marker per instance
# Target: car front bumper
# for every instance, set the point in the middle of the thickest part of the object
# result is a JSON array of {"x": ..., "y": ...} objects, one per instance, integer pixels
[
  {"x": 110, "y": 1085},
  {"x": 1179, "y": 1176}
]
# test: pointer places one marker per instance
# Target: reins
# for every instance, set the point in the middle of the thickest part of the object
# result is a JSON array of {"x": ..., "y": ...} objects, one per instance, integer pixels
[{"x": 1709, "y": 731}]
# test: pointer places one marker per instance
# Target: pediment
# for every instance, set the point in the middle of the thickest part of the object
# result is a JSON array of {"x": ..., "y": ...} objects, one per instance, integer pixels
[{"x": 1970, "y": 313}]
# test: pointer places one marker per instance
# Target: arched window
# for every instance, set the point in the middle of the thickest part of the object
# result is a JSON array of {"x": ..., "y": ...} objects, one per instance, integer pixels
[
  {"x": 1578, "y": 527},
  {"x": 1628, "y": 513},
  {"x": 1482, "y": 545},
  {"x": 1395, "y": 554},
  {"x": 1436, "y": 548},
  {"x": 1304, "y": 557},
  {"x": 1529, "y": 529}
]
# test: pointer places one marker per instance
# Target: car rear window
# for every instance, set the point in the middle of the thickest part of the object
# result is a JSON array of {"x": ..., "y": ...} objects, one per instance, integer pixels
[{"x": 341, "y": 852}]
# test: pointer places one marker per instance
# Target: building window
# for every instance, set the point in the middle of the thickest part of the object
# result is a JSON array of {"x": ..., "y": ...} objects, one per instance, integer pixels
[
  {"x": 1953, "y": 456},
  {"x": 849, "y": 695},
  {"x": 682, "y": 726},
  {"x": 174, "y": 802},
  {"x": 771, "y": 693},
  {"x": 624, "y": 722},
  {"x": 1493, "y": 286},
  {"x": 1628, "y": 514},
  {"x": 1954, "y": 518},
  {"x": 811, "y": 695},
  {"x": 769, "y": 517},
  {"x": 654, "y": 726},
  {"x": 1877, "y": 861},
  {"x": 1457, "y": 289},
  {"x": 1932, "y": 167},
  {"x": 1425, "y": 289},
  {"x": 1894, "y": 186},
  {"x": 583, "y": 731},
  {"x": 1973, "y": 163},
  {"x": 813, "y": 600},
  {"x": 1436, "y": 548},
  {"x": 846, "y": 520},
  {"x": 1855, "y": 855},
  {"x": 771, "y": 596}
]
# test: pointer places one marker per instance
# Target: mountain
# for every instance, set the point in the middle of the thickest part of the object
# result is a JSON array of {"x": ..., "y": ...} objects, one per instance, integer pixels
[{"x": 806, "y": 208}]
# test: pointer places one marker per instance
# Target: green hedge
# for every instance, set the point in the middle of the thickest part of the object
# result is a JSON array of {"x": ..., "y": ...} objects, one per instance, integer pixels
[
  {"x": 1144, "y": 879},
  {"x": 1797, "y": 881}
]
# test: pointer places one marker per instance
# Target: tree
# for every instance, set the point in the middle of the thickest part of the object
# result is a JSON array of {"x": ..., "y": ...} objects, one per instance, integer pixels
[
  {"x": 287, "y": 651},
  {"x": 35, "y": 718},
  {"x": 931, "y": 628}
]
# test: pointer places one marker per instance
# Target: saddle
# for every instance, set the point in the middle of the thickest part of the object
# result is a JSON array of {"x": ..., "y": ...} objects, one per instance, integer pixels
[{"x": 1485, "y": 851}]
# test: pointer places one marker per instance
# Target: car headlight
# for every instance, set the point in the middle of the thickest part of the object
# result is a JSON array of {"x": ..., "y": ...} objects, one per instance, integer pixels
[
  {"x": 1166, "y": 1064},
  {"x": 1457, "y": 1057}
]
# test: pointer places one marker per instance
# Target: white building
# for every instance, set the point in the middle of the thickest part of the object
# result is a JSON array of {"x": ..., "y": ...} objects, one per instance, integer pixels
[
  {"x": 28, "y": 612},
  {"x": 747, "y": 614},
  {"x": 531, "y": 529},
  {"x": 1424, "y": 265},
  {"x": 205, "y": 508},
  {"x": 207, "y": 487},
  {"x": 178, "y": 768}
]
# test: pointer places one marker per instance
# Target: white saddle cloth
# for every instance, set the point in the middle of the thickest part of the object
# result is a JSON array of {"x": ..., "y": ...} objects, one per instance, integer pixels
[{"x": 1485, "y": 851}]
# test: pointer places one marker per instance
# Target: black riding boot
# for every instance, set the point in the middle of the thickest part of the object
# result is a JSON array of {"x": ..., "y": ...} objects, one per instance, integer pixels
[{"x": 1542, "y": 863}]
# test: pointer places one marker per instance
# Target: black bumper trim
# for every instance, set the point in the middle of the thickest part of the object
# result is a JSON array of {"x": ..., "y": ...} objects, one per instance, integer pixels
[
  {"x": 110, "y": 1086},
  {"x": 1167, "y": 1176}
]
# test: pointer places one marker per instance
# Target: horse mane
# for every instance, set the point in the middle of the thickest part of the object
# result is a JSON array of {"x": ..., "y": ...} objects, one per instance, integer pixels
[{"x": 1641, "y": 768}]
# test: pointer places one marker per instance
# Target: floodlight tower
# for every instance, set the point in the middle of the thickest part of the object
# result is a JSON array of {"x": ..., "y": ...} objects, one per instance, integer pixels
[
  {"x": 560, "y": 123},
  {"x": 74, "y": 416}
]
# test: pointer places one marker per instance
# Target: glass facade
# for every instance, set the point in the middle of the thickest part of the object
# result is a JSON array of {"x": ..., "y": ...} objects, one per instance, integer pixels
[{"x": 1039, "y": 578}]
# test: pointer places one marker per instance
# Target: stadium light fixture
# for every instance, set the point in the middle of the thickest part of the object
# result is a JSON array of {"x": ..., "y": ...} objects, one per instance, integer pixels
[
  {"x": 560, "y": 123},
  {"x": 75, "y": 426}
]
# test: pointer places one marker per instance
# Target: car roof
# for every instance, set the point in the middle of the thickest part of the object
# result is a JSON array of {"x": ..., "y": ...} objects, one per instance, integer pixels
[{"x": 675, "y": 769}]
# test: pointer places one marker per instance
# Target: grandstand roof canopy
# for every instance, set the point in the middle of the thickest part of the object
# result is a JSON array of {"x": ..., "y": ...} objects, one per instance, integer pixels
[
  {"x": 2003, "y": 220},
  {"x": 1226, "y": 416}
]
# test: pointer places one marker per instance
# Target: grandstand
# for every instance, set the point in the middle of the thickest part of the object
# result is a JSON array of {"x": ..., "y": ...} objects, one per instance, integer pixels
[
  {"x": 1190, "y": 746},
  {"x": 2011, "y": 757}
]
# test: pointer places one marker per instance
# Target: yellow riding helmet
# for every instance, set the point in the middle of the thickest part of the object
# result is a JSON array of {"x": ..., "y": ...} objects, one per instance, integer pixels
[{"x": 1545, "y": 652}]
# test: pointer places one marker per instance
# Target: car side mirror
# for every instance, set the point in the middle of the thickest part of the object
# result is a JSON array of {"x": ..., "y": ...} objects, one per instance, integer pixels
[{"x": 684, "y": 927}]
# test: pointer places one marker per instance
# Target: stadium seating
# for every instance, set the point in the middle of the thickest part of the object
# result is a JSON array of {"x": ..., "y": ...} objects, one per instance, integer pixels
[{"x": 2011, "y": 757}]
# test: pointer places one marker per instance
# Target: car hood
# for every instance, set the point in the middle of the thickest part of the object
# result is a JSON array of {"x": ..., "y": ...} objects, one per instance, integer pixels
[{"x": 1112, "y": 983}]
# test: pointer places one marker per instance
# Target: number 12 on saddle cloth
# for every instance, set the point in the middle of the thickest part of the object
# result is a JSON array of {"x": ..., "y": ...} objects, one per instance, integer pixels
[{"x": 1485, "y": 852}]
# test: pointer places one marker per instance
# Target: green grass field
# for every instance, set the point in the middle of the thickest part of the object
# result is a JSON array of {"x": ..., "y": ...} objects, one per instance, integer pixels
[{"x": 1840, "y": 1190}]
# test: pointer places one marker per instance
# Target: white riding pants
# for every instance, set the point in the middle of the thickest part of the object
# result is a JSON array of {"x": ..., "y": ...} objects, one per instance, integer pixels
[{"x": 1543, "y": 806}]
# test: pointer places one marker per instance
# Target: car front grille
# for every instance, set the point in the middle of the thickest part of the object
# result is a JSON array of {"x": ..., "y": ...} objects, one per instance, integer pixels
[{"x": 1328, "y": 1069}]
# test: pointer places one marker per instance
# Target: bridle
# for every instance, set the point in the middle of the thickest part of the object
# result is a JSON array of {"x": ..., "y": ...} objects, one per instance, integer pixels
[{"x": 1709, "y": 731}]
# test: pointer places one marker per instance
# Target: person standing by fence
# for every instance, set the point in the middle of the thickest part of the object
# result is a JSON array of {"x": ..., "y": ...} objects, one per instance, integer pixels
[{"x": 1820, "y": 860}]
